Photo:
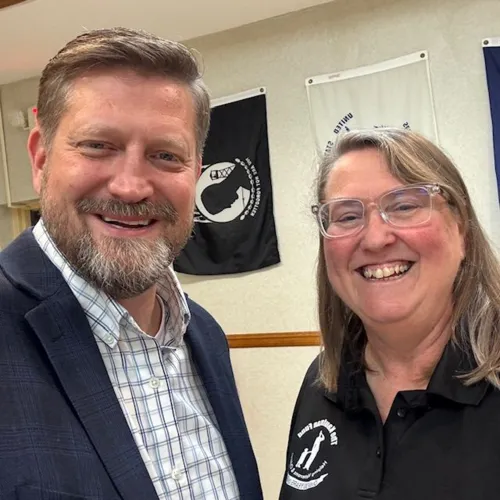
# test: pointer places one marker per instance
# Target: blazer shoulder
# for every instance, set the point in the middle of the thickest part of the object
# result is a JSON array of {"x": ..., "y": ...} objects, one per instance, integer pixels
[
  {"x": 14, "y": 299},
  {"x": 200, "y": 314},
  {"x": 203, "y": 322}
]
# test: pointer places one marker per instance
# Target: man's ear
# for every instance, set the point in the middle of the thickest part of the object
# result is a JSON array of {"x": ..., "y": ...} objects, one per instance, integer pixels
[{"x": 38, "y": 157}]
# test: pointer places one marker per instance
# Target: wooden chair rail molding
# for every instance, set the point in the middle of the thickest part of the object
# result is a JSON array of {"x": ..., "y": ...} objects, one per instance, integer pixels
[
  {"x": 8, "y": 3},
  {"x": 280, "y": 339}
]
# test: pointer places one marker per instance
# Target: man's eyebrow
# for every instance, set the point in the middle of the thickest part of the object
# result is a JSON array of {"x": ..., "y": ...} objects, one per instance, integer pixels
[
  {"x": 96, "y": 131},
  {"x": 93, "y": 130},
  {"x": 175, "y": 143}
]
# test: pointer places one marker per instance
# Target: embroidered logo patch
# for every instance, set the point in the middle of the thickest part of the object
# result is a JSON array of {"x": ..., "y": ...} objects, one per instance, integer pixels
[{"x": 306, "y": 469}]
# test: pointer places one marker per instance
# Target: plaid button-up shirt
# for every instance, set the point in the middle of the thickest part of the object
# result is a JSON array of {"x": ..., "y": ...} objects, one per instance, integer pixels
[{"x": 159, "y": 390}]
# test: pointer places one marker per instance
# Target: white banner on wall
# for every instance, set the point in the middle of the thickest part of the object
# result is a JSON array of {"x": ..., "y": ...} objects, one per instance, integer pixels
[{"x": 394, "y": 93}]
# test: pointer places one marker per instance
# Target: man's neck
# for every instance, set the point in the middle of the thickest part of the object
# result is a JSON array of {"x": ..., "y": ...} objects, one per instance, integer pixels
[{"x": 146, "y": 310}]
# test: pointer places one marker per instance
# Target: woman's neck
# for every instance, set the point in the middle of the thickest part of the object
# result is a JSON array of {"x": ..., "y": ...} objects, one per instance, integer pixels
[
  {"x": 408, "y": 351},
  {"x": 404, "y": 363}
]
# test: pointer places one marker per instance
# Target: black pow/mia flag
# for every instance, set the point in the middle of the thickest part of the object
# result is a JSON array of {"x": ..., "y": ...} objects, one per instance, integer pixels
[{"x": 234, "y": 227}]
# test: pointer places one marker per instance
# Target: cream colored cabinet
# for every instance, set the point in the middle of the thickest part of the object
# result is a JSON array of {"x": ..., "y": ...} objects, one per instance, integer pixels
[{"x": 15, "y": 98}]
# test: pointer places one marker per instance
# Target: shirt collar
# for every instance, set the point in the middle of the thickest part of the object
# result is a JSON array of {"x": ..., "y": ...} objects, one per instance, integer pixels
[
  {"x": 106, "y": 316},
  {"x": 445, "y": 381}
]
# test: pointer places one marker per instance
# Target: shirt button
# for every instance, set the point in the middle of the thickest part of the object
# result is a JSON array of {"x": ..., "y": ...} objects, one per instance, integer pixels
[
  {"x": 154, "y": 383},
  {"x": 108, "y": 338},
  {"x": 401, "y": 413},
  {"x": 177, "y": 475},
  {"x": 378, "y": 453}
]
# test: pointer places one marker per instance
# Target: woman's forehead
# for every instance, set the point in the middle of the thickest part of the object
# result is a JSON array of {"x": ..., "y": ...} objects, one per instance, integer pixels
[{"x": 363, "y": 173}]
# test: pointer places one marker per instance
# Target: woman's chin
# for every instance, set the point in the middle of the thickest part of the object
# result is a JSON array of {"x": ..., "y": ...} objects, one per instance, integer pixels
[{"x": 386, "y": 317}]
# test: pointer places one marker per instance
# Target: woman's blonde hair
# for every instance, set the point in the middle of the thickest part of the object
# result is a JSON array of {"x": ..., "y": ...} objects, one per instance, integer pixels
[{"x": 476, "y": 293}]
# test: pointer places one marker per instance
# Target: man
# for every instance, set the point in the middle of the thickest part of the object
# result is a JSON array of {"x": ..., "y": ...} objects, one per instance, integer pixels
[{"x": 113, "y": 384}]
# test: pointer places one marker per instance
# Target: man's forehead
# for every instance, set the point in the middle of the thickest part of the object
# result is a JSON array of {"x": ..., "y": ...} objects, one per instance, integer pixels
[
  {"x": 114, "y": 84},
  {"x": 106, "y": 104}
]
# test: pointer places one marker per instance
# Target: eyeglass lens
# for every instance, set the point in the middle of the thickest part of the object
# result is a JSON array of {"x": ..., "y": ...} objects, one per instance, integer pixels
[{"x": 405, "y": 207}]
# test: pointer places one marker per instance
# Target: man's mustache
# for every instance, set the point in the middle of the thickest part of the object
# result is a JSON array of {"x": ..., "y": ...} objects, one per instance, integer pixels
[{"x": 144, "y": 209}]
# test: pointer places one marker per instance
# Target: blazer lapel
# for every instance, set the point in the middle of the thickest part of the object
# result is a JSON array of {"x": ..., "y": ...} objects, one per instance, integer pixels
[
  {"x": 211, "y": 361},
  {"x": 60, "y": 324},
  {"x": 63, "y": 330}
]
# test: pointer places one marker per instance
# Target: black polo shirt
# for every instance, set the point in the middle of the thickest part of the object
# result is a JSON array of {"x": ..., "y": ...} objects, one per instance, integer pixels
[{"x": 440, "y": 443}]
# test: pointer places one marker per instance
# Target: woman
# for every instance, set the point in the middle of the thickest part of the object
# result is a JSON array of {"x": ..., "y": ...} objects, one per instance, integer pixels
[{"x": 403, "y": 402}]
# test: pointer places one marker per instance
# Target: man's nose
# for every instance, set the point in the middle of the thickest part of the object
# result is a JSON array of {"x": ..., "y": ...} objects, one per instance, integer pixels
[{"x": 130, "y": 181}]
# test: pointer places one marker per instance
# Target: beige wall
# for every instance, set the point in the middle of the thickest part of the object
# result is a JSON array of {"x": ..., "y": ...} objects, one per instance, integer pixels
[
  {"x": 280, "y": 54},
  {"x": 18, "y": 96},
  {"x": 5, "y": 226},
  {"x": 3, "y": 193},
  {"x": 5, "y": 213},
  {"x": 268, "y": 380}
]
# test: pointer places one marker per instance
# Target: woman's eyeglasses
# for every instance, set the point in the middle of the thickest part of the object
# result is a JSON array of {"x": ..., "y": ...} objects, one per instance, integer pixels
[{"x": 404, "y": 207}]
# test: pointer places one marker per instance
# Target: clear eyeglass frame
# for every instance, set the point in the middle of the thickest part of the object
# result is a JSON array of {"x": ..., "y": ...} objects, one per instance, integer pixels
[{"x": 318, "y": 209}]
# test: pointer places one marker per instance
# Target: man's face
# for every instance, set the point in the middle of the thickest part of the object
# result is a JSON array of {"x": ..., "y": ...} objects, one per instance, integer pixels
[{"x": 117, "y": 186}]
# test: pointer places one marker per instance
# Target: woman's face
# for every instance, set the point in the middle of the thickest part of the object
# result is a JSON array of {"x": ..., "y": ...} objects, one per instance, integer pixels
[{"x": 423, "y": 260}]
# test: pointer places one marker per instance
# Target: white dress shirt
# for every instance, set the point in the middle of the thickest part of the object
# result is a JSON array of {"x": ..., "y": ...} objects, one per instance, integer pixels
[{"x": 158, "y": 387}]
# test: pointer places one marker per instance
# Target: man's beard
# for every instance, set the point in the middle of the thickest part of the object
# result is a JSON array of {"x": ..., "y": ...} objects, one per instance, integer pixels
[{"x": 121, "y": 267}]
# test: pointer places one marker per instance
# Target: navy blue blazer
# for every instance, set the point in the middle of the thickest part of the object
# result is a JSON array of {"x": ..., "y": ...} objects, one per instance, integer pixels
[{"x": 63, "y": 435}]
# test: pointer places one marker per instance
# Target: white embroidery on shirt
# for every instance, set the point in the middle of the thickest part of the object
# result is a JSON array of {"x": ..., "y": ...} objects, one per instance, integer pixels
[{"x": 299, "y": 475}]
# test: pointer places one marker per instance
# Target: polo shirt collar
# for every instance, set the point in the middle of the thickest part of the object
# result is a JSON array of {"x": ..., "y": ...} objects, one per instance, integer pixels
[
  {"x": 444, "y": 383},
  {"x": 447, "y": 383}
]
